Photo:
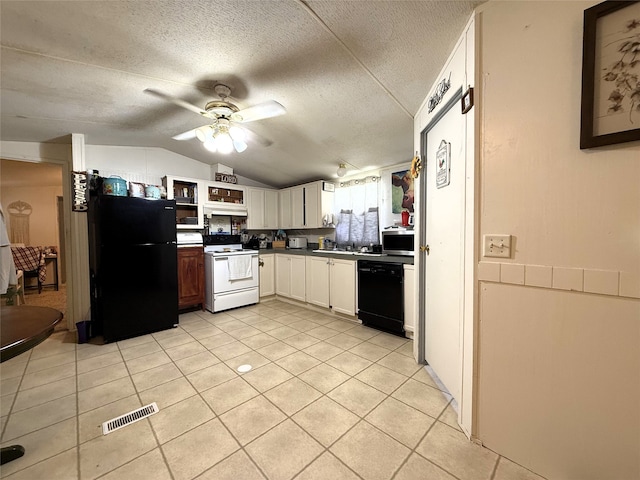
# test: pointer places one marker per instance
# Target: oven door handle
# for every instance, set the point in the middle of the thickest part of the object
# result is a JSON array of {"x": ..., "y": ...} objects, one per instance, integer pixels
[{"x": 221, "y": 258}]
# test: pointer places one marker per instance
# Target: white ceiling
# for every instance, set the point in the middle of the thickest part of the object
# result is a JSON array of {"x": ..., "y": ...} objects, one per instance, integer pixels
[{"x": 351, "y": 75}]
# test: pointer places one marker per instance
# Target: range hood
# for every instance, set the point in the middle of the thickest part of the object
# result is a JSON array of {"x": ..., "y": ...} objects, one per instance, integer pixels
[{"x": 225, "y": 209}]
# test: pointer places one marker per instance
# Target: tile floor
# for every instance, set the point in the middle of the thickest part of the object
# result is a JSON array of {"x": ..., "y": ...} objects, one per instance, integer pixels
[{"x": 326, "y": 399}]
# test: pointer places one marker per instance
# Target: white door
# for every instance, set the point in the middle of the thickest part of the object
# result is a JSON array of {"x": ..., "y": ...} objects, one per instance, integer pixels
[{"x": 444, "y": 261}]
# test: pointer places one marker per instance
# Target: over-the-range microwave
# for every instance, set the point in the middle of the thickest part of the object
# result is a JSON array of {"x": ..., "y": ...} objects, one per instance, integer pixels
[{"x": 398, "y": 242}]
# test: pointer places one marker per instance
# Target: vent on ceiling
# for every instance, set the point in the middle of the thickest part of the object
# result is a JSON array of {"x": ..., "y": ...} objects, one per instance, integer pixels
[{"x": 129, "y": 418}]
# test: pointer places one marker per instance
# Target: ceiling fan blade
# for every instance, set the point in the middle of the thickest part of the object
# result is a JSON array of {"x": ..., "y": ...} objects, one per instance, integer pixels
[
  {"x": 186, "y": 135},
  {"x": 258, "y": 112},
  {"x": 253, "y": 137},
  {"x": 177, "y": 101}
]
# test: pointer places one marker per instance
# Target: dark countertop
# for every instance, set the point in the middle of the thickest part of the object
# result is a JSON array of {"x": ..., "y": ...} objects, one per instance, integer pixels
[{"x": 332, "y": 254}]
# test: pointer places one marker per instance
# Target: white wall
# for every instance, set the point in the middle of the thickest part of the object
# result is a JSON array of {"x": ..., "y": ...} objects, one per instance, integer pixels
[
  {"x": 559, "y": 377},
  {"x": 148, "y": 164}
]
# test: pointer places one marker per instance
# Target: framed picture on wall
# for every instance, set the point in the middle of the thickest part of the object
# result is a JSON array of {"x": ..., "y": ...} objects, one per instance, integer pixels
[
  {"x": 610, "y": 111},
  {"x": 401, "y": 191}
]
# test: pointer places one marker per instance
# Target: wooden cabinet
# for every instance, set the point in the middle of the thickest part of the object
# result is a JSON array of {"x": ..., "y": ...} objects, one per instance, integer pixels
[
  {"x": 297, "y": 207},
  {"x": 290, "y": 276},
  {"x": 332, "y": 283},
  {"x": 191, "y": 281},
  {"x": 342, "y": 282},
  {"x": 317, "y": 284},
  {"x": 262, "y": 209},
  {"x": 186, "y": 193},
  {"x": 409, "y": 298},
  {"x": 267, "y": 275}
]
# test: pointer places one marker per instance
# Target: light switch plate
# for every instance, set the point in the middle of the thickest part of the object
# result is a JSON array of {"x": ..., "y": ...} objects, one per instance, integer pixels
[{"x": 497, "y": 246}]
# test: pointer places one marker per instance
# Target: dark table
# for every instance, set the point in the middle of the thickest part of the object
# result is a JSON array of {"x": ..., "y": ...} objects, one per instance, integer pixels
[{"x": 22, "y": 328}]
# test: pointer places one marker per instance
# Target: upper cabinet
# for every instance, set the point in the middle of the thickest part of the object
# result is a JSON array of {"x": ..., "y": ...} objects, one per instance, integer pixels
[
  {"x": 262, "y": 209},
  {"x": 309, "y": 204},
  {"x": 224, "y": 199},
  {"x": 284, "y": 208},
  {"x": 186, "y": 193}
]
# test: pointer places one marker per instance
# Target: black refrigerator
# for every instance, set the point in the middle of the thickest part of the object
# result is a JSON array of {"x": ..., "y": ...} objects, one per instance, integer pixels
[{"x": 133, "y": 266}]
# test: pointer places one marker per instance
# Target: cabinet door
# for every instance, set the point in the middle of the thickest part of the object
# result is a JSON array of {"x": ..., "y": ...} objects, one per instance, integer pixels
[
  {"x": 343, "y": 286},
  {"x": 270, "y": 210},
  {"x": 267, "y": 275},
  {"x": 297, "y": 207},
  {"x": 312, "y": 213},
  {"x": 409, "y": 298},
  {"x": 283, "y": 275},
  {"x": 317, "y": 285},
  {"x": 298, "y": 277},
  {"x": 190, "y": 276},
  {"x": 284, "y": 197},
  {"x": 255, "y": 209}
]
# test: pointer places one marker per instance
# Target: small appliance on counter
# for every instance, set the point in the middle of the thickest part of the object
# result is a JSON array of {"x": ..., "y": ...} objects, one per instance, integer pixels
[{"x": 297, "y": 242}]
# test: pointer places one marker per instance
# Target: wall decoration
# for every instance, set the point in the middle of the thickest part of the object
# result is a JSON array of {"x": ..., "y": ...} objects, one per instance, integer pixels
[
  {"x": 401, "y": 191},
  {"x": 80, "y": 183},
  {"x": 443, "y": 164},
  {"x": 610, "y": 74},
  {"x": 19, "y": 213},
  {"x": 467, "y": 100},
  {"x": 416, "y": 166},
  {"x": 226, "y": 178},
  {"x": 438, "y": 95}
]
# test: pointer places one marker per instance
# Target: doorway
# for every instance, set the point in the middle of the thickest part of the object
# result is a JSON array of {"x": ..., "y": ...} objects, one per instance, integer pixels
[
  {"x": 40, "y": 185},
  {"x": 442, "y": 271}
]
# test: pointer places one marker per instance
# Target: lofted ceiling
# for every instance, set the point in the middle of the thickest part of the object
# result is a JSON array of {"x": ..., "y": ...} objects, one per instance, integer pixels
[{"x": 351, "y": 74}]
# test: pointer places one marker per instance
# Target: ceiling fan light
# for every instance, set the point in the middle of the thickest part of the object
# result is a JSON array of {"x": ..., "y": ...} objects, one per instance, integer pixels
[
  {"x": 210, "y": 144},
  {"x": 237, "y": 133},
  {"x": 204, "y": 133},
  {"x": 342, "y": 170},
  {"x": 239, "y": 145},
  {"x": 224, "y": 143}
]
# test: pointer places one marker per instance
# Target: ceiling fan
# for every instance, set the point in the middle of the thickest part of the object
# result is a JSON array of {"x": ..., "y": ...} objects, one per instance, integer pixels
[{"x": 224, "y": 134}]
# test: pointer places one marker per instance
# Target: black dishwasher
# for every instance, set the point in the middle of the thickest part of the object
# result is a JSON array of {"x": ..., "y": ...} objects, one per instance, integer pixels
[{"x": 381, "y": 296}]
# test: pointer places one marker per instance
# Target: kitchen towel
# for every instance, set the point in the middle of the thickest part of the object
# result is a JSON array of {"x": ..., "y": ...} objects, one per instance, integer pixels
[{"x": 239, "y": 267}]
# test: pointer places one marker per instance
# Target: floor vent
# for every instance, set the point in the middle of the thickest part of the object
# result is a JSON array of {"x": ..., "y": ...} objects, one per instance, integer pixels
[{"x": 129, "y": 418}]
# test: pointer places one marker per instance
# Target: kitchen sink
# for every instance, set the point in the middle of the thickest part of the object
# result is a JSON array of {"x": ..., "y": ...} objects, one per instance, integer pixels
[{"x": 345, "y": 252}]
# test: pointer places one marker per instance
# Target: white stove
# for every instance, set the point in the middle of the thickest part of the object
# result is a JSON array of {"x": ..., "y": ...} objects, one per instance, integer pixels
[{"x": 232, "y": 274}]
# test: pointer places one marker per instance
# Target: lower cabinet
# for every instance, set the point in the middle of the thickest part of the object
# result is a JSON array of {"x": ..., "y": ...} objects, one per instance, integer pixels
[
  {"x": 331, "y": 283},
  {"x": 267, "y": 275},
  {"x": 290, "y": 276},
  {"x": 191, "y": 281},
  {"x": 343, "y": 286},
  {"x": 318, "y": 281},
  {"x": 409, "y": 298}
]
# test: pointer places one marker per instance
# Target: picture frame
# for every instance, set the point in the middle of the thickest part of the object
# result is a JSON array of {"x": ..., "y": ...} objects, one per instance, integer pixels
[
  {"x": 467, "y": 100},
  {"x": 610, "y": 105}
]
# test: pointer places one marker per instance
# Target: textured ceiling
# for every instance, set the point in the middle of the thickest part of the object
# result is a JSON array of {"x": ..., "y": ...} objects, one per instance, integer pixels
[{"x": 351, "y": 75}]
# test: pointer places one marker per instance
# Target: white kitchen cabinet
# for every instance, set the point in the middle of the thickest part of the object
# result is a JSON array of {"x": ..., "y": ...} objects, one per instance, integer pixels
[
  {"x": 224, "y": 199},
  {"x": 317, "y": 273},
  {"x": 297, "y": 207},
  {"x": 262, "y": 209},
  {"x": 284, "y": 208},
  {"x": 290, "y": 276},
  {"x": 267, "y": 275},
  {"x": 186, "y": 192},
  {"x": 409, "y": 298},
  {"x": 306, "y": 206},
  {"x": 332, "y": 283},
  {"x": 342, "y": 280}
]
